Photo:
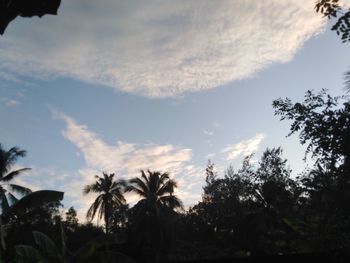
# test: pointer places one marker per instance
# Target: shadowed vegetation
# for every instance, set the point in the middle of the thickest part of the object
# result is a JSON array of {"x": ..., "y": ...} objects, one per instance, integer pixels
[
  {"x": 259, "y": 209},
  {"x": 110, "y": 197}
]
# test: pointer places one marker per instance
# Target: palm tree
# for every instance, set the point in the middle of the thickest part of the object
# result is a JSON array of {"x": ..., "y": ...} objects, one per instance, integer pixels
[
  {"x": 156, "y": 191},
  {"x": 154, "y": 213},
  {"x": 7, "y": 189},
  {"x": 110, "y": 196}
]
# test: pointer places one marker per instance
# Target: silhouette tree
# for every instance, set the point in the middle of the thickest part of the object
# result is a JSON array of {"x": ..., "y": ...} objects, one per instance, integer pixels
[
  {"x": 334, "y": 9},
  {"x": 153, "y": 214},
  {"x": 323, "y": 124},
  {"x": 71, "y": 221},
  {"x": 156, "y": 191},
  {"x": 119, "y": 218},
  {"x": 244, "y": 211},
  {"x": 110, "y": 195},
  {"x": 7, "y": 189}
]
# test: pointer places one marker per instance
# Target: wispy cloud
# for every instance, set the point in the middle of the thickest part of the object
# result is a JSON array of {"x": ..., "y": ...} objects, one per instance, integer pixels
[
  {"x": 210, "y": 156},
  {"x": 127, "y": 159},
  {"x": 159, "y": 48},
  {"x": 9, "y": 102},
  {"x": 243, "y": 148},
  {"x": 208, "y": 133}
]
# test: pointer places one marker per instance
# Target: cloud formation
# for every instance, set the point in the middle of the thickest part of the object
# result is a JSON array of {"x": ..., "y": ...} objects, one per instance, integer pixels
[
  {"x": 158, "y": 48},
  {"x": 126, "y": 160},
  {"x": 9, "y": 102},
  {"x": 243, "y": 148}
]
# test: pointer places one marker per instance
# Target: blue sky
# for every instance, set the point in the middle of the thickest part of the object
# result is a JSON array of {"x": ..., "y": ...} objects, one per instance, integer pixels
[{"x": 166, "y": 85}]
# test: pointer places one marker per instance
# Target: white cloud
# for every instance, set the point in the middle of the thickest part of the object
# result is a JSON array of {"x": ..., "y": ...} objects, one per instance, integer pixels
[
  {"x": 159, "y": 48},
  {"x": 9, "y": 102},
  {"x": 210, "y": 156},
  {"x": 244, "y": 148},
  {"x": 126, "y": 160},
  {"x": 208, "y": 133},
  {"x": 215, "y": 124}
]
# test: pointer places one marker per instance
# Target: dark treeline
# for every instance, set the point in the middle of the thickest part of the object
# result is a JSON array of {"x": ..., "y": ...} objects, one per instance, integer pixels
[{"x": 257, "y": 210}]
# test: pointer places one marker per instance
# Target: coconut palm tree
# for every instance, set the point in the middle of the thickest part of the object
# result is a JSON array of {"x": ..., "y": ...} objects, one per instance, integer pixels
[
  {"x": 8, "y": 189},
  {"x": 156, "y": 191},
  {"x": 154, "y": 213},
  {"x": 110, "y": 195}
]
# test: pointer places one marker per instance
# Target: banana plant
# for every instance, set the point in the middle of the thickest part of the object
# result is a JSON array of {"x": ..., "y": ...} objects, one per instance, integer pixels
[
  {"x": 20, "y": 208},
  {"x": 46, "y": 251}
]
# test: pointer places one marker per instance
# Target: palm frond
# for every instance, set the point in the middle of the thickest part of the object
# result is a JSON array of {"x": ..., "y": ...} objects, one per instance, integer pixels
[
  {"x": 153, "y": 184},
  {"x": 91, "y": 188},
  {"x": 132, "y": 188},
  {"x": 163, "y": 177},
  {"x": 119, "y": 184},
  {"x": 13, "y": 174},
  {"x": 93, "y": 208},
  {"x": 19, "y": 189},
  {"x": 13, "y": 154},
  {"x": 171, "y": 201},
  {"x": 12, "y": 199},
  {"x": 118, "y": 195},
  {"x": 8, "y": 158},
  {"x": 167, "y": 188},
  {"x": 141, "y": 185},
  {"x": 143, "y": 175}
]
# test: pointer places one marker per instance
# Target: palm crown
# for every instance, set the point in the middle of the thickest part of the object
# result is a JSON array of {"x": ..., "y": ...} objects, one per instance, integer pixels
[
  {"x": 7, "y": 189},
  {"x": 156, "y": 190},
  {"x": 110, "y": 196}
]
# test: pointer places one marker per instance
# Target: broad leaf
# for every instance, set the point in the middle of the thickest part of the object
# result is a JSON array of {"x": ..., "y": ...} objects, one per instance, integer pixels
[
  {"x": 45, "y": 244},
  {"x": 27, "y": 253},
  {"x": 34, "y": 199}
]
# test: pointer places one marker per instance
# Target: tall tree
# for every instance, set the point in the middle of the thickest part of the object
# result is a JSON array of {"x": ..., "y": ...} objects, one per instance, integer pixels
[
  {"x": 8, "y": 189},
  {"x": 110, "y": 195},
  {"x": 154, "y": 213},
  {"x": 323, "y": 124},
  {"x": 156, "y": 191}
]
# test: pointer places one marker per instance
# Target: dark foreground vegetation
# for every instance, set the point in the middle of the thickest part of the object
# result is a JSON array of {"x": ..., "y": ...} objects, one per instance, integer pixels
[{"x": 256, "y": 211}]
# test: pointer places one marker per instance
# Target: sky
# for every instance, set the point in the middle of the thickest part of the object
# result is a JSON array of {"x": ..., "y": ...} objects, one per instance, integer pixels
[{"x": 119, "y": 86}]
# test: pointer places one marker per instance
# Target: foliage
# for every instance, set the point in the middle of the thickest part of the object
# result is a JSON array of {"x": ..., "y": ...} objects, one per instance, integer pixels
[
  {"x": 323, "y": 125},
  {"x": 110, "y": 196},
  {"x": 71, "y": 219},
  {"x": 156, "y": 191},
  {"x": 152, "y": 216},
  {"x": 8, "y": 189},
  {"x": 45, "y": 250},
  {"x": 333, "y": 9},
  {"x": 243, "y": 210},
  {"x": 259, "y": 209}
]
